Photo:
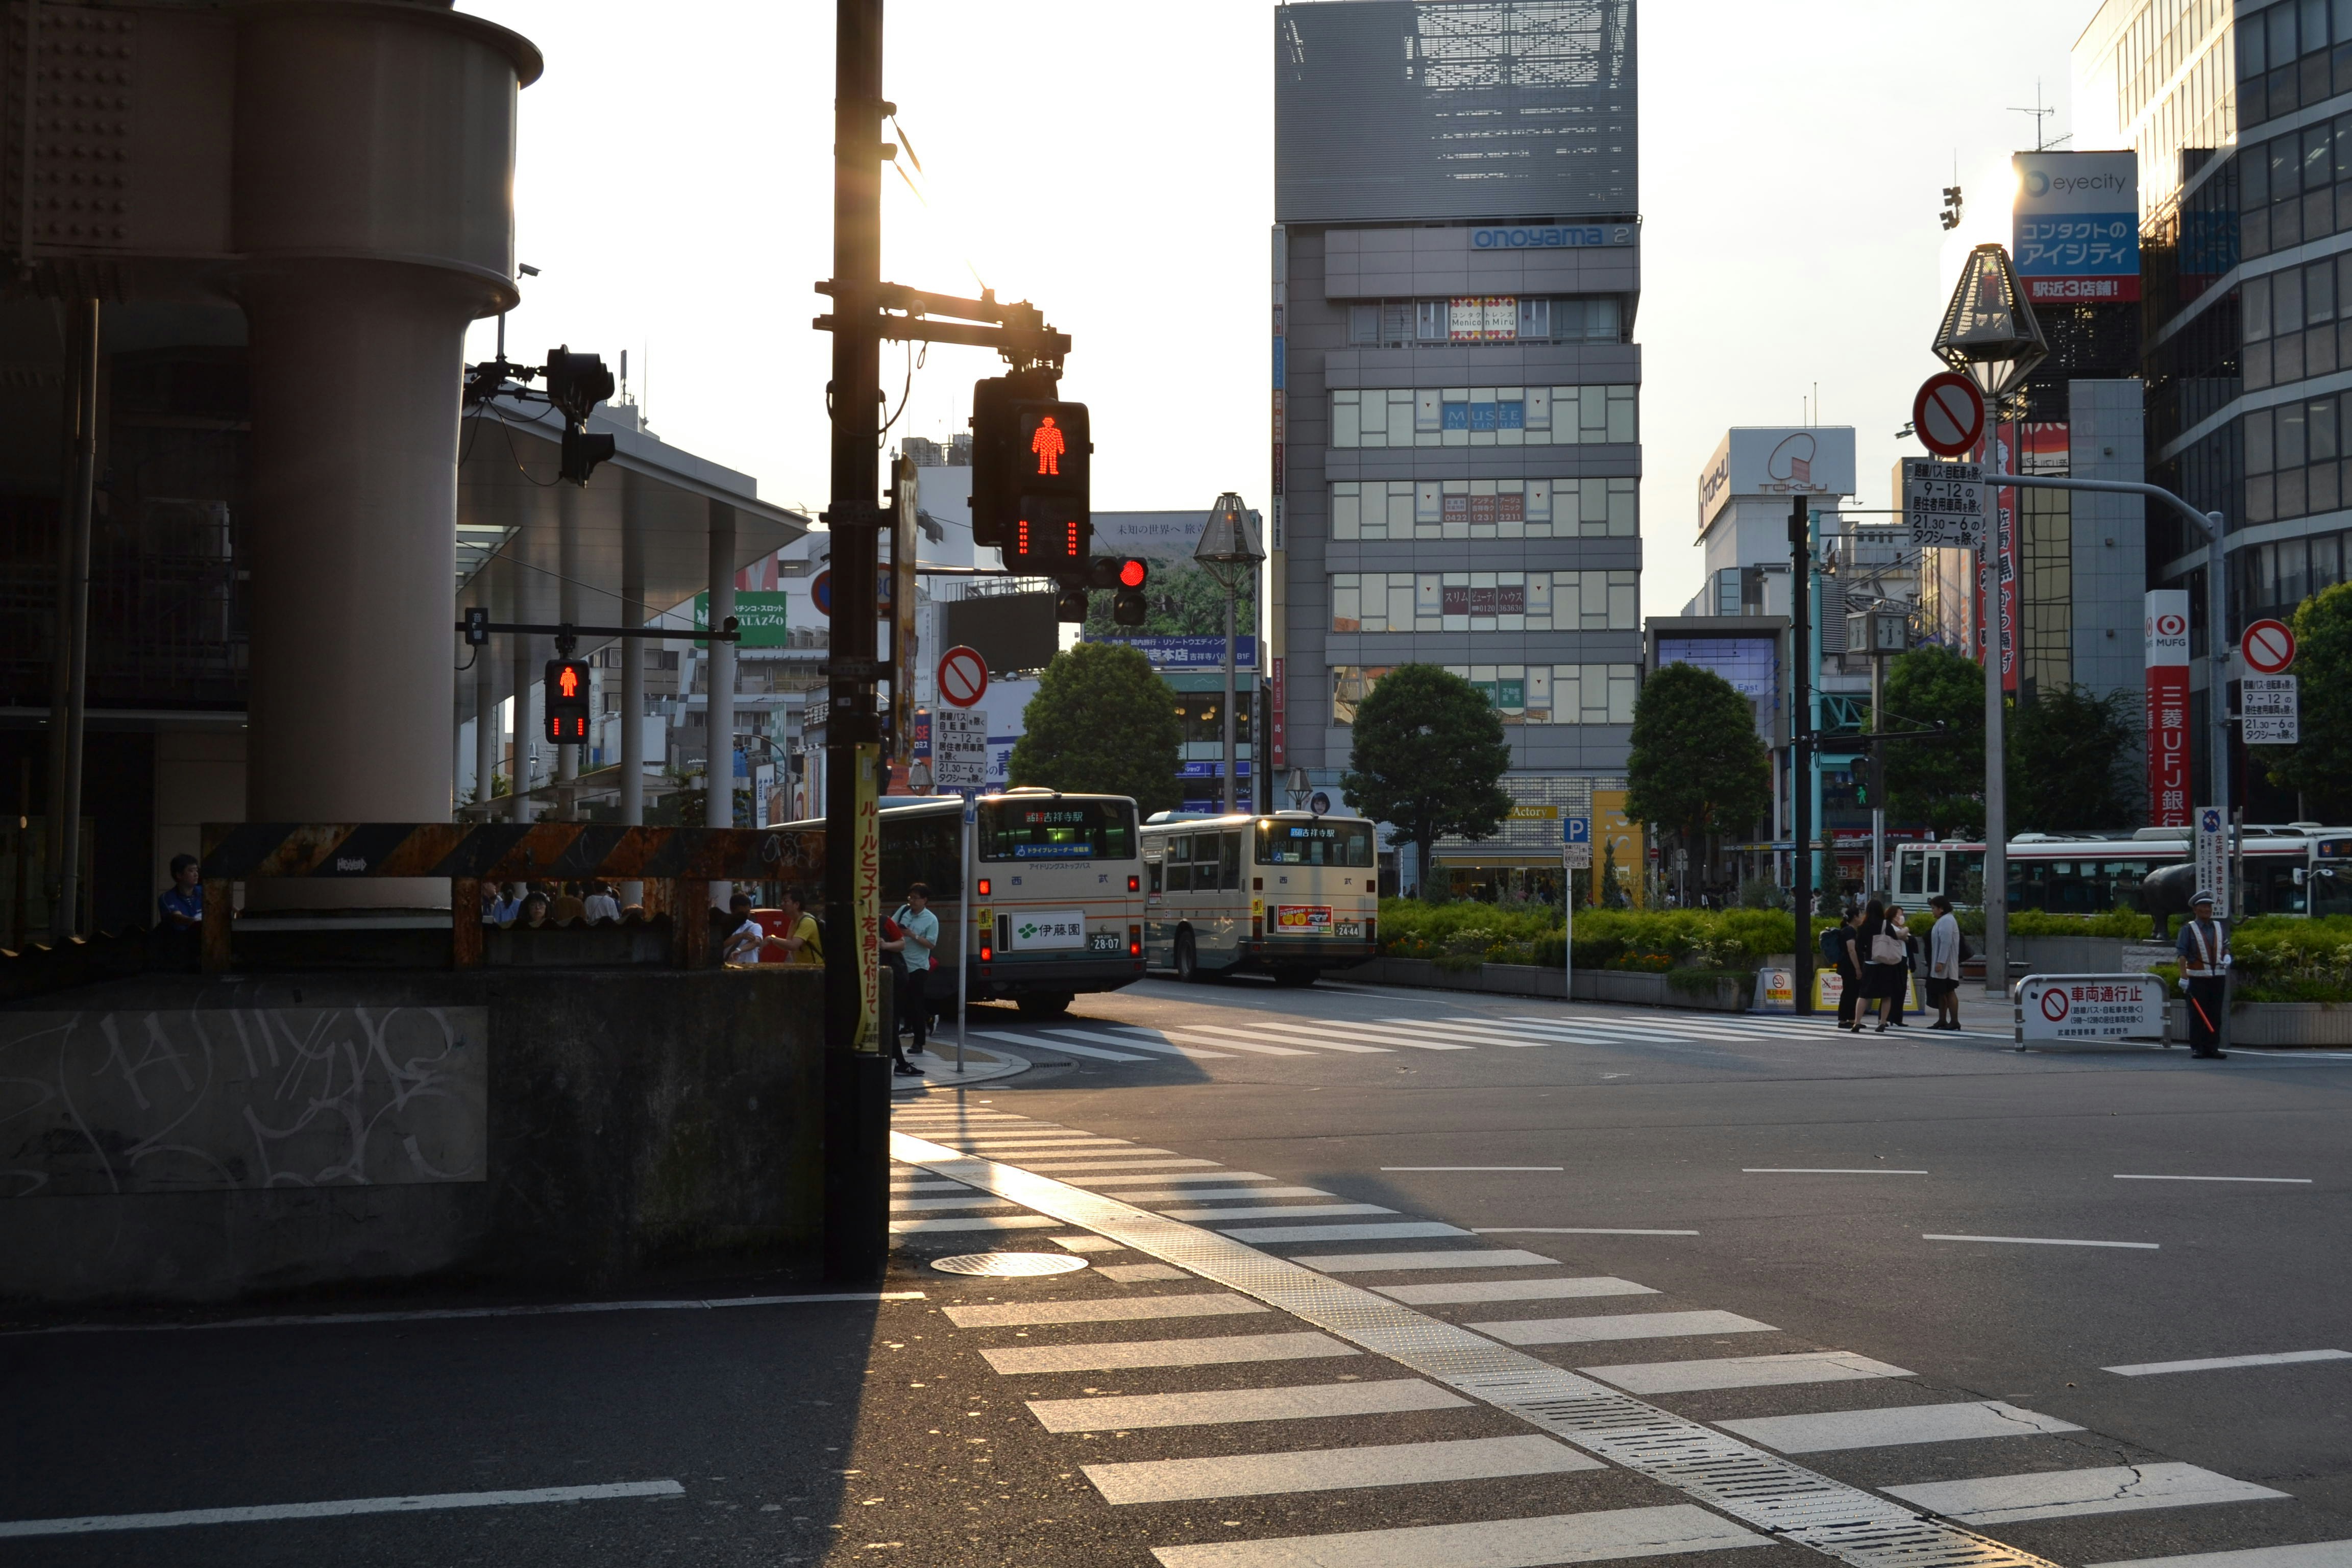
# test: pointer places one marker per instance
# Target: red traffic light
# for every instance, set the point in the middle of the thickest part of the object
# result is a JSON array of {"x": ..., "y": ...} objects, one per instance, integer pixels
[{"x": 1132, "y": 573}]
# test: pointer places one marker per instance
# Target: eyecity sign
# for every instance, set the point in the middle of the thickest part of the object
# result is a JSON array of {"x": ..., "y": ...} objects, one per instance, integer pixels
[
  {"x": 1553, "y": 236},
  {"x": 2076, "y": 225}
]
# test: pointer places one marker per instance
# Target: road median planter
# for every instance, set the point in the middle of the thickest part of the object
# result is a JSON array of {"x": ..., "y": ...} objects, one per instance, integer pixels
[{"x": 2276, "y": 1024}]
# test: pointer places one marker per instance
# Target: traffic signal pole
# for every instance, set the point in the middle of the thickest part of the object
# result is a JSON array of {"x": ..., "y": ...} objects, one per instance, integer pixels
[
  {"x": 1800, "y": 744},
  {"x": 857, "y": 1080}
]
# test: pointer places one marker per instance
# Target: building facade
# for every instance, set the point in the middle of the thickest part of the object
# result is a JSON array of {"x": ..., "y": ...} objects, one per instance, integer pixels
[{"x": 1457, "y": 391}]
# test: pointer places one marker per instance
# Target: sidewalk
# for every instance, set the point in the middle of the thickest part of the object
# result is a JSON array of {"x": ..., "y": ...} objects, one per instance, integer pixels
[{"x": 940, "y": 1074}]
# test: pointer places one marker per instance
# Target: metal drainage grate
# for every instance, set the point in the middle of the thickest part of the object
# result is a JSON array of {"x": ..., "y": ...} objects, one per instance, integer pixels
[
  {"x": 1774, "y": 1494},
  {"x": 1009, "y": 1265}
]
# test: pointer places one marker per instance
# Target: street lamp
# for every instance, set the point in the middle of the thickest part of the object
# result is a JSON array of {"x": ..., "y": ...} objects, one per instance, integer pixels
[{"x": 1230, "y": 550}]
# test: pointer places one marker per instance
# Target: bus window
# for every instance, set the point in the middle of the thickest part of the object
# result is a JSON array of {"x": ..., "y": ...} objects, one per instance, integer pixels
[
  {"x": 1151, "y": 869},
  {"x": 929, "y": 850},
  {"x": 1229, "y": 855},
  {"x": 1325, "y": 843},
  {"x": 1205, "y": 862},
  {"x": 1179, "y": 854},
  {"x": 1910, "y": 868},
  {"x": 1057, "y": 830},
  {"x": 1935, "y": 863}
]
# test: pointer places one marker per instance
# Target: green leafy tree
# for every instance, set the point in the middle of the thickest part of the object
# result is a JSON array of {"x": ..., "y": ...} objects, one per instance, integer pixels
[
  {"x": 1936, "y": 784},
  {"x": 1180, "y": 600},
  {"x": 2320, "y": 769},
  {"x": 1102, "y": 723},
  {"x": 2067, "y": 753},
  {"x": 1697, "y": 765},
  {"x": 1428, "y": 756}
]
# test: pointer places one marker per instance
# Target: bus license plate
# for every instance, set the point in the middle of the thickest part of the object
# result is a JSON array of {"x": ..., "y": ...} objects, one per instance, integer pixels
[
  {"x": 1105, "y": 942},
  {"x": 1351, "y": 928}
]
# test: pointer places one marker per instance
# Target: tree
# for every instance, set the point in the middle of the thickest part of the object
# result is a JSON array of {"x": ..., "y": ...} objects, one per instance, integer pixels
[
  {"x": 1102, "y": 722},
  {"x": 2066, "y": 752},
  {"x": 2320, "y": 769},
  {"x": 1428, "y": 756},
  {"x": 1938, "y": 785},
  {"x": 1697, "y": 765}
]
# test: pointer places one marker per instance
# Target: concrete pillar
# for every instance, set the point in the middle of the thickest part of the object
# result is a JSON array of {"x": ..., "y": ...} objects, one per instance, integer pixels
[
  {"x": 374, "y": 220},
  {"x": 486, "y": 728},
  {"x": 632, "y": 682},
  {"x": 526, "y": 729},
  {"x": 567, "y": 587},
  {"x": 721, "y": 722}
]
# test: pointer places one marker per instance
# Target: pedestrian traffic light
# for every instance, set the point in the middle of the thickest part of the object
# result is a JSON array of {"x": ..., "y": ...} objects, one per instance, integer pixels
[
  {"x": 1031, "y": 459},
  {"x": 568, "y": 701}
]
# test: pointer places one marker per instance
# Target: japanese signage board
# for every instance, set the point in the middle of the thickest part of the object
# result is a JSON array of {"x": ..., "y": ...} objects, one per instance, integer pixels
[
  {"x": 865, "y": 893},
  {"x": 1191, "y": 653},
  {"x": 2270, "y": 711},
  {"x": 1809, "y": 460},
  {"x": 960, "y": 748},
  {"x": 1046, "y": 931},
  {"x": 2090, "y": 1008},
  {"x": 1944, "y": 504},
  {"x": 2075, "y": 227},
  {"x": 1276, "y": 716},
  {"x": 2213, "y": 856},
  {"x": 2167, "y": 642},
  {"x": 758, "y": 617}
]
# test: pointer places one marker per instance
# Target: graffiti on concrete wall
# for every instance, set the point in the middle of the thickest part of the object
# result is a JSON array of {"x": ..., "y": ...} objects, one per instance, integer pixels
[{"x": 97, "y": 1103}]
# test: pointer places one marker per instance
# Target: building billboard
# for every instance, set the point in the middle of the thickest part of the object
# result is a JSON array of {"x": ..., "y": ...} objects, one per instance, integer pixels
[
  {"x": 1801, "y": 460},
  {"x": 2167, "y": 645},
  {"x": 2075, "y": 227}
]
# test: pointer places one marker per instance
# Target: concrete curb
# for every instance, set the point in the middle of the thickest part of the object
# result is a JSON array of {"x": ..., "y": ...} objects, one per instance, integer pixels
[{"x": 938, "y": 1072}]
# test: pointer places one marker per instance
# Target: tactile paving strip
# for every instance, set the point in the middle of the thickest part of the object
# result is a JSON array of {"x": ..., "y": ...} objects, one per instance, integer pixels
[{"x": 1711, "y": 1466}]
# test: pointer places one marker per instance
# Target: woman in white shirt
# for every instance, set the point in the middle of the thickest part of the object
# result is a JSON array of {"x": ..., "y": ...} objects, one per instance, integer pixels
[{"x": 1944, "y": 964}]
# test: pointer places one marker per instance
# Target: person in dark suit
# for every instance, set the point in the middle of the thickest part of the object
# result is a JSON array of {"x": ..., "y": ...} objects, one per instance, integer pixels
[{"x": 1838, "y": 948}]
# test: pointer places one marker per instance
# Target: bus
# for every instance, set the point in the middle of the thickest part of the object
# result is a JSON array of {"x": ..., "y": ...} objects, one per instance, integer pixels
[
  {"x": 1057, "y": 885},
  {"x": 2289, "y": 869},
  {"x": 1289, "y": 894}
]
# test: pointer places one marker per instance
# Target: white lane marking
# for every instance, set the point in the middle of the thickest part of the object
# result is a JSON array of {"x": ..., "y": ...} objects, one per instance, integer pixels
[
  {"x": 1163, "y": 1046},
  {"x": 1086, "y": 1241},
  {"x": 1261, "y": 1234},
  {"x": 1378, "y": 1262},
  {"x": 422, "y": 1502},
  {"x": 1742, "y": 1372},
  {"x": 977, "y": 1201},
  {"x": 995, "y": 1135},
  {"x": 1474, "y": 1035},
  {"x": 2044, "y": 1241},
  {"x": 1620, "y": 1326},
  {"x": 1461, "y": 1291},
  {"x": 451, "y": 1314},
  {"x": 1636, "y": 1029},
  {"x": 897, "y": 1186},
  {"x": 2066, "y": 1494},
  {"x": 1080, "y": 1167},
  {"x": 1413, "y": 1039},
  {"x": 1203, "y": 1195},
  {"x": 1560, "y": 1538},
  {"x": 1305, "y": 1037},
  {"x": 2280, "y": 1181},
  {"x": 913, "y": 1113},
  {"x": 1059, "y": 1146},
  {"x": 977, "y": 1222},
  {"x": 2312, "y": 1555},
  {"x": 1571, "y": 1230},
  {"x": 1183, "y": 1176},
  {"x": 1214, "y": 1350},
  {"x": 1123, "y": 1413},
  {"x": 1825, "y": 1171},
  {"x": 1255, "y": 1048},
  {"x": 1104, "y": 1310},
  {"x": 2219, "y": 1363},
  {"x": 1903, "y": 1423},
  {"x": 1474, "y": 1167},
  {"x": 1035, "y": 1043},
  {"x": 1127, "y": 1273},
  {"x": 1334, "y": 1469},
  {"x": 1275, "y": 1211}
]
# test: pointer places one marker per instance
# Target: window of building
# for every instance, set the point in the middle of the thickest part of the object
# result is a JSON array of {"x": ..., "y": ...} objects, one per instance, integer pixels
[
  {"x": 1592, "y": 508},
  {"x": 1486, "y": 601},
  {"x": 1487, "y": 319},
  {"x": 1521, "y": 693},
  {"x": 1486, "y": 416}
]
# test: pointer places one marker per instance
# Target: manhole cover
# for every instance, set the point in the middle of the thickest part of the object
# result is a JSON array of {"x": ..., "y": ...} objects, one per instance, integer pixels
[{"x": 1009, "y": 1265}]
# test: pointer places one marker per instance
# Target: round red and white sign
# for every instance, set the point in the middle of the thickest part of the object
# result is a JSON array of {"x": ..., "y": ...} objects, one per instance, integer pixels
[
  {"x": 2054, "y": 1005},
  {"x": 963, "y": 677},
  {"x": 2268, "y": 646},
  {"x": 1948, "y": 414}
]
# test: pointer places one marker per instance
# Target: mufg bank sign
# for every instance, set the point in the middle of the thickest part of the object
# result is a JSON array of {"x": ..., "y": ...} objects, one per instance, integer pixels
[
  {"x": 1553, "y": 236},
  {"x": 1806, "y": 460}
]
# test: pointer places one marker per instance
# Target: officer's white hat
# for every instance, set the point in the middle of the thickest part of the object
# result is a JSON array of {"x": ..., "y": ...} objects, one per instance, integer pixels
[{"x": 2200, "y": 897}]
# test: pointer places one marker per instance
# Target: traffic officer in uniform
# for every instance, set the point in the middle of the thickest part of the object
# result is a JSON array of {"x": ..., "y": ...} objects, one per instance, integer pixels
[{"x": 2205, "y": 970}]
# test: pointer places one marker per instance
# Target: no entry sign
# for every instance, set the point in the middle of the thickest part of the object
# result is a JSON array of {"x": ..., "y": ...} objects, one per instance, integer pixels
[
  {"x": 2268, "y": 648},
  {"x": 1948, "y": 414},
  {"x": 963, "y": 677}
]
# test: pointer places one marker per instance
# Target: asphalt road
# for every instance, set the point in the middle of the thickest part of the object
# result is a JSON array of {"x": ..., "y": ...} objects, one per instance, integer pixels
[{"x": 1529, "y": 1179}]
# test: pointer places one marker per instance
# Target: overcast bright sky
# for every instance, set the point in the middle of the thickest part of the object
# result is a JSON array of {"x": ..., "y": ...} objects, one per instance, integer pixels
[{"x": 1113, "y": 160}]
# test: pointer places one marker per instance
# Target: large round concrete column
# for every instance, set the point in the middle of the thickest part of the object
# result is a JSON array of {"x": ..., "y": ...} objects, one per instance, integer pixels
[{"x": 372, "y": 212}]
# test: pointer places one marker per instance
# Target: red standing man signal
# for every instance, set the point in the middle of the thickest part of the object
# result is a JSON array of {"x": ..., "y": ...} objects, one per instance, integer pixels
[{"x": 1048, "y": 444}]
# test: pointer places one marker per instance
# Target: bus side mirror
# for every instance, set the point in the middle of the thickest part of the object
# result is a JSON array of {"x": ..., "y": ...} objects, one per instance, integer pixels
[{"x": 2301, "y": 876}]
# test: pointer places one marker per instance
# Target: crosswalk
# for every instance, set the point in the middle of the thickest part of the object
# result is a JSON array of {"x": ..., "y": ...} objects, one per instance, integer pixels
[
  {"x": 1239, "y": 1034},
  {"x": 1310, "y": 1412}
]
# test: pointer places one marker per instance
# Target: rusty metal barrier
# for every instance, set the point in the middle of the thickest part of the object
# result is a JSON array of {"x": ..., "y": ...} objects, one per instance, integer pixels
[{"x": 469, "y": 854}]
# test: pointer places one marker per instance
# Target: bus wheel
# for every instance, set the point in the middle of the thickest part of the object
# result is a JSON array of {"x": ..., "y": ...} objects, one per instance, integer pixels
[
  {"x": 1045, "y": 1003},
  {"x": 1188, "y": 960},
  {"x": 1295, "y": 975}
]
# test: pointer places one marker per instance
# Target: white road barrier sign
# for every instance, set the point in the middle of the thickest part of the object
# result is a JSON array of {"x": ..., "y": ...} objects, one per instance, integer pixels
[
  {"x": 2090, "y": 1008},
  {"x": 1944, "y": 504},
  {"x": 2270, "y": 710}
]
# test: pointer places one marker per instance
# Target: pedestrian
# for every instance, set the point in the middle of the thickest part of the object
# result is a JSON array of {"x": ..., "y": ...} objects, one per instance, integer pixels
[
  {"x": 600, "y": 905},
  {"x": 919, "y": 939},
  {"x": 568, "y": 907},
  {"x": 1881, "y": 953},
  {"x": 803, "y": 942},
  {"x": 743, "y": 943},
  {"x": 1898, "y": 925},
  {"x": 2204, "y": 950},
  {"x": 508, "y": 908},
  {"x": 1944, "y": 947},
  {"x": 182, "y": 904},
  {"x": 1838, "y": 948},
  {"x": 534, "y": 910}
]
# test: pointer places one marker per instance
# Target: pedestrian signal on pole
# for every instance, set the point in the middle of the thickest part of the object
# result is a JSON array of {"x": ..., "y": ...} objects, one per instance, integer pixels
[
  {"x": 568, "y": 711},
  {"x": 1032, "y": 462}
]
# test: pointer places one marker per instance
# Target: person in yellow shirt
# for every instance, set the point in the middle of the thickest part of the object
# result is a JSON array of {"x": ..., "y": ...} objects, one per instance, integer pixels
[{"x": 805, "y": 944}]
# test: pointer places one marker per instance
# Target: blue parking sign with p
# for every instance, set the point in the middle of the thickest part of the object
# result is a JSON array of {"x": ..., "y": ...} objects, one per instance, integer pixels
[{"x": 1575, "y": 829}]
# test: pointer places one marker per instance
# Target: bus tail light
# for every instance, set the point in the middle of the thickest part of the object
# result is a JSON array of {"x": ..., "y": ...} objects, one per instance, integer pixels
[
  {"x": 1257, "y": 928},
  {"x": 1134, "y": 939},
  {"x": 987, "y": 953},
  {"x": 1372, "y": 930},
  {"x": 983, "y": 887},
  {"x": 1135, "y": 884}
]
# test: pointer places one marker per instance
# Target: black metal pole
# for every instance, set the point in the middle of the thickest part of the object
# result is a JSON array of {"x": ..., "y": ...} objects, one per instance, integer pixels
[
  {"x": 1800, "y": 745},
  {"x": 856, "y": 1081}
]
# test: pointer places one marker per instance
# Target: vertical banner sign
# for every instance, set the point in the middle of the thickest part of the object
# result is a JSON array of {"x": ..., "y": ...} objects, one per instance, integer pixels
[
  {"x": 1278, "y": 722},
  {"x": 2075, "y": 227},
  {"x": 2213, "y": 858},
  {"x": 867, "y": 898},
  {"x": 2166, "y": 639},
  {"x": 2005, "y": 545},
  {"x": 906, "y": 493}
]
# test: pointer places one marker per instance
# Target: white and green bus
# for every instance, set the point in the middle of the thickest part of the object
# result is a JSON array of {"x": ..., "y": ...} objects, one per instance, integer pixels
[{"x": 1290, "y": 894}]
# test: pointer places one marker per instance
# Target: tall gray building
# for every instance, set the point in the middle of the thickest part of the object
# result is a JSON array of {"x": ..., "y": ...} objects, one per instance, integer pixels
[{"x": 1456, "y": 391}]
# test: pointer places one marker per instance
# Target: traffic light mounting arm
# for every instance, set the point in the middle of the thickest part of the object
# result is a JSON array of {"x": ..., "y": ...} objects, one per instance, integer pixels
[
  {"x": 477, "y": 628},
  {"x": 1018, "y": 330}
]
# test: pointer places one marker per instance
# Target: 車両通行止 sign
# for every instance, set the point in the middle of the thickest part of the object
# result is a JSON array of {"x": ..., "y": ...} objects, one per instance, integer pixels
[{"x": 2090, "y": 1008}]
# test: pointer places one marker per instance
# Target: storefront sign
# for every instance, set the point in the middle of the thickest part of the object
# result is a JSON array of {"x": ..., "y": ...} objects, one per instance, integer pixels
[{"x": 2166, "y": 639}]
